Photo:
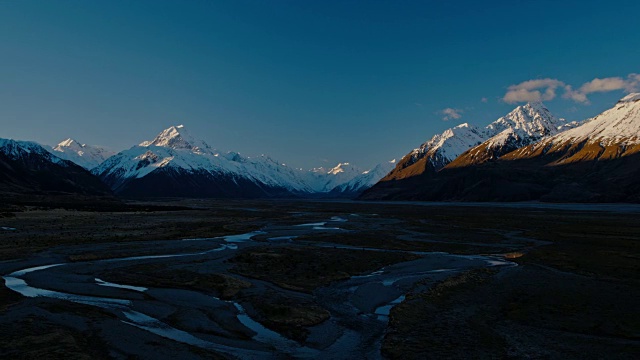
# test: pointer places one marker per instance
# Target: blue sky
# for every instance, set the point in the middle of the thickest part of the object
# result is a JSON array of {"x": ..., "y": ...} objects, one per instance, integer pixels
[{"x": 310, "y": 83}]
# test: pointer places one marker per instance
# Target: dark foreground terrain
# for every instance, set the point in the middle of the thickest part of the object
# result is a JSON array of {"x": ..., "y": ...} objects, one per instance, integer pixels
[{"x": 300, "y": 279}]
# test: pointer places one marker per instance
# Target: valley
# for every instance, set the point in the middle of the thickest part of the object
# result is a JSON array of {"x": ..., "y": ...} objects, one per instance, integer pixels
[
  {"x": 320, "y": 279},
  {"x": 376, "y": 180}
]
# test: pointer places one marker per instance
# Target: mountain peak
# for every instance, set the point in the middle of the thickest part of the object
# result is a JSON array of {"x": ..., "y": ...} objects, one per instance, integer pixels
[
  {"x": 69, "y": 143},
  {"x": 534, "y": 107},
  {"x": 533, "y": 118},
  {"x": 177, "y": 137},
  {"x": 342, "y": 168},
  {"x": 87, "y": 156},
  {"x": 338, "y": 168},
  {"x": 531, "y": 108}
]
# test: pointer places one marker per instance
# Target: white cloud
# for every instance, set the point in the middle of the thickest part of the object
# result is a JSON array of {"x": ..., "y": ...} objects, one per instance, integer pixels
[
  {"x": 630, "y": 84},
  {"x": 575, "y": 95},
  {"x": 451, "y": 113},
  {"x": 633, "y": 83},
  {"x": 484, "y": 100},
  {"x": 532, "y": 91},
  {"x": 603, "y": 85},
  {"x": 546, "y": 89}
]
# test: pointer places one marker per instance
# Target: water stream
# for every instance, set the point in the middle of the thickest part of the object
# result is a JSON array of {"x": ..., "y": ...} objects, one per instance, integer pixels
[
  {"x": 146, "y": 322},
  {"x": 125, "y": 308}
]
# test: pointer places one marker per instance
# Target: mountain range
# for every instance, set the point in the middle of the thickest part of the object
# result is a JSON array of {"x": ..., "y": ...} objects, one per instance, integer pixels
[
  {"x": 530, "y": 155},
  {"x": 176, "y": 164},
  {"x": 28, "y": 168},
  {"x": 522, "y": 126}
]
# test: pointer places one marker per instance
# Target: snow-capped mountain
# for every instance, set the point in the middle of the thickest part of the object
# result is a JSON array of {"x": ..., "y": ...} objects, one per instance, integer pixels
[
  {"x": 27, "y": 167},
  {"x": 273, "y": 173},
  {"x": 17, "y": 150},
  {"x": 613, "y": 134},
  {"x": 597, "y": 160},
  {"x": 436, "y": 153},
  {"x": 365, "y": 180},
  {"x": 178, "y": 138},
  {"x": 322, "y": 180},
  {"x": 175, "y": 163},
  {"x": 522, "y": 126},
  {"x": 531, "y": 120},
  {"x": 84, "y": 155}
]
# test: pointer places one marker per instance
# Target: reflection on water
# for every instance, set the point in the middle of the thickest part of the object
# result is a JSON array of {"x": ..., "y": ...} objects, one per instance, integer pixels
[
  {"x": 325, "y": 228},
  {"x": 242, "y": 237},
  {"x": 313, "y": 224},
  {"x": 32, "y": 269},
  {"x": 283, "y": 238},
  {"x": 386, "y": 309},
  {"x": 262, "y": 333},
  {"x": 159, "y": 328},
  {"x": 128, "y": 287},
  {"x": 155, "y": 326},
  {"x": 20, "y": 286},
  {"x": 230, "y": 238}
]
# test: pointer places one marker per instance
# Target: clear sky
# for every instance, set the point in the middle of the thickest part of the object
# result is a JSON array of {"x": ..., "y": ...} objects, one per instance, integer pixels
[{"x": 310, "y": 83}]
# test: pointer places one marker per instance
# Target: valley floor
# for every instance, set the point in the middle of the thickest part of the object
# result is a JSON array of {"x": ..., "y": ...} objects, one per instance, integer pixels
[{"x": 320, "y": 279}]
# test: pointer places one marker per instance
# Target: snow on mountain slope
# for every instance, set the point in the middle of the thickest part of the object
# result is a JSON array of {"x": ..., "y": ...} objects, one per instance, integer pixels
[
  {"x": 174, "y": 153},
  {"x": 179, "y": 138},
  {"x": 28, "y": 167},
  {"x": 445, "y": 147},
  {"x": 269, "y": 171},
  {"x": 614, "y": 133},
  {"x": 597, "y": 161},
  {"x": 17, "y": 150},
  {"x": 366, "y": 179},
  {"x": 523, "y": 125},
  {"x": 176, "y": 150},
  {"x": 531, "y": 119},
  {"x": 321, "y": 180},
  {"x": 618, "y": 125},
  {"x": 84, "y": 155},
  {"x": 436, "y": 153},
  {"x": 139, "y": 161}
]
